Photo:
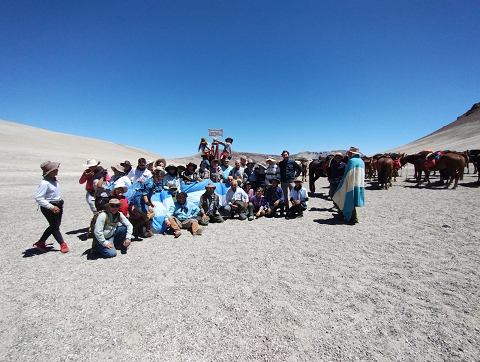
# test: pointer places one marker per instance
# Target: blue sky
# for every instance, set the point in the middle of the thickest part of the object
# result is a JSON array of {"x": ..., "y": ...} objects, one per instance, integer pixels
[{"x": 274, "y": 75}]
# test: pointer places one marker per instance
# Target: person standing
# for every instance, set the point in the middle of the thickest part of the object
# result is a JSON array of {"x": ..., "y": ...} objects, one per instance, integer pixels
[
  {"x": 227, "y": 147},
  {"x": 350, "y": 192},
  {"x": 49, "y": 198},
  {"x": 289, "y": 170},
  {"x": 87, "y": 177},
  {"x": 335, "y": 173}
]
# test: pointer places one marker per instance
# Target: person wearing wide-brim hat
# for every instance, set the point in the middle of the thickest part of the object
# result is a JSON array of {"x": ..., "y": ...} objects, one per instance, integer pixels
[
  {"x": 160, "y": 162},
  {"x": 227, "y": 147},
  {"x": 298, "y": 199},
  {"x": 118, "y": 192},
  {"x": 112, "y": 231},
  {"x": 216, "y": 172},
  {"x": 209, "y": 205},
  {"x": 274, "y": 199},
  {"x": 49, "y": 198},
  {"x": 335, "y": 173},
  {"x": 206, "y": 148},
  {"x": 190, "y": 175},
  {"x": 171, "y": 177},
  {"x": 203, "y": 172},
  {"x": 87, "y": 177},
  {"x": 272, "y": 171},
  {"x": 350, "y": 193},
  {"x": 119, "y": 176}
]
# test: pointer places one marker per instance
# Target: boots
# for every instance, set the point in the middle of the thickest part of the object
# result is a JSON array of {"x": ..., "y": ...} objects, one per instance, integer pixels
[
  {"x": 196, "y": 230},
  {"x": 175, "y": 228},
  {"x": 148, "y": 229}
]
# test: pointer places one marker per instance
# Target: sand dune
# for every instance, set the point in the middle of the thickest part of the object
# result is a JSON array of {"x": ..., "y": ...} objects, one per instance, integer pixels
[{"x": 460, "y": 135}]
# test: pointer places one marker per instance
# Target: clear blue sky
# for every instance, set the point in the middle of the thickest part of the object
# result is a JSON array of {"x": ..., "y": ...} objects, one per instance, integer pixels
[{"x": 296, "y": 75}]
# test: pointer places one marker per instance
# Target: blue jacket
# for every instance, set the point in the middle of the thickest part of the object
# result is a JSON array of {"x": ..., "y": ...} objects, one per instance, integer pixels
[
  {"x": 183, "y": 212},
  {"x": 273, "y": 195}
]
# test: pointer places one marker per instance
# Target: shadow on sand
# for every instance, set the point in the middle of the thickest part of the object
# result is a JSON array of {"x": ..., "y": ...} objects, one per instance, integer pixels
[
  {"x": 83, "y": 232},
  {"x": 34, "y": 252}
]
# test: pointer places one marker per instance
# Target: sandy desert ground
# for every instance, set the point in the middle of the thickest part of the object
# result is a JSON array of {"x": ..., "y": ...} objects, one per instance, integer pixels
[{"x": 402, "y": 285}]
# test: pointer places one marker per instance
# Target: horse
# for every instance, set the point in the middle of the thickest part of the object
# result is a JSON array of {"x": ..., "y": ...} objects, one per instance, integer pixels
[
  {"x": 384, "y": 171},
  {"x": 368, "y": 167},
  {"x": 317, "y": 169},
  {"x": 303, "y": 163},
  {"x": 410, "y": 159},
  {"x": 454, "y": 163},
  {"x": 472, "y": 157}
]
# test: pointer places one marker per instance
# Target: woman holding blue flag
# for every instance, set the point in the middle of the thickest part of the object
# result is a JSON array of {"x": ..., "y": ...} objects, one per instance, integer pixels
[{"x": 350, "y": 192}]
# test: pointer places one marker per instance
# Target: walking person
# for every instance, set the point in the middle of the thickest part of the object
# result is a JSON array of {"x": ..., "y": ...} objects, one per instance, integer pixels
[{"x": 49, "y": 198}]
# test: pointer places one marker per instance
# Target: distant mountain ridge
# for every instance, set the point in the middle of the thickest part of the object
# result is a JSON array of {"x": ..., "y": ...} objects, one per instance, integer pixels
[{"x": 459, "y": 135}]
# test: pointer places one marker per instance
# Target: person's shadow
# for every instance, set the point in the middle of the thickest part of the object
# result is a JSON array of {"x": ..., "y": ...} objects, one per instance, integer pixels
[
  {"x": 91, "y": 254},
  {"x": 83, "y": 232},
  {"x": 34, "y": 252},
  {"x": 331, "y": 221}
]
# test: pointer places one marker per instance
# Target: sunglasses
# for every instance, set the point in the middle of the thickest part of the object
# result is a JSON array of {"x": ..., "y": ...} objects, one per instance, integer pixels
[{"x": 115, "y": 206}]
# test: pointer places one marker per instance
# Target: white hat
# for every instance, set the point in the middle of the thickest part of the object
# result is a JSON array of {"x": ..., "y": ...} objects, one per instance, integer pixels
[{"x": 90, "y": 163}]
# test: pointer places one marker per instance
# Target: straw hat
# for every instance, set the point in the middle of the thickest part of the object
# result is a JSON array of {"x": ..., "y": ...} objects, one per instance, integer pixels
[
  {"x": 114, "y": 202},
  {"x": 354, "y": 150},
  {"x": 118, "y": 168},
  {"x": 203, "y": 140},
  {"x": 210, "y": 185},
  {"x": 48, "y": 167},
  {"x": 90, "y": 163}
]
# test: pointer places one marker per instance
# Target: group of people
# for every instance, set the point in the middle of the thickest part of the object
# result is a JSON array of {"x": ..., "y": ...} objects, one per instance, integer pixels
[{"x": 253, "y": 192}]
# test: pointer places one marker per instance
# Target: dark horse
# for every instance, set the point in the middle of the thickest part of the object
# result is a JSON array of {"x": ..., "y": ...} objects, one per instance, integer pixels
[
  {"x": 410, "y": 159},
  {"x": 317, "y": 169},
  {"x": 454, "y": 163},
  {"x": 384, "y": 171}
]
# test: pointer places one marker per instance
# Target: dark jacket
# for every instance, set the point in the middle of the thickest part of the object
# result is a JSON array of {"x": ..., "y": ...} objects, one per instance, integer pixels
[
  {"x": 289, "y": 169},
  {"x": 203, "y": 204}
]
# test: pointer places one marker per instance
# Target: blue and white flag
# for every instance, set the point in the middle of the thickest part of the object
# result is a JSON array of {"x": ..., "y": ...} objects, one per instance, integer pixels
[
  {"x": 351, "y": 190},
  {"x": 163, "y": 200}
]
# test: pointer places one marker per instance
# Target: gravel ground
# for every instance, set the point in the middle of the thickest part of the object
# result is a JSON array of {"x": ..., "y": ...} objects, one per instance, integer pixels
[{"x": 403, "y": 284}]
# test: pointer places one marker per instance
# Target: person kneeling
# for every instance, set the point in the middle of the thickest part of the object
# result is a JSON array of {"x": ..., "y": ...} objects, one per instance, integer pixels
[
  {"x": 237, "y": 201},
  {"x": 298, "y": 200},
  {"x": 183, "y": 215},
  {"x": 209, "y": 203},
  {"x": 274, "y": 199},
  {"x": 112, "y": 230}
]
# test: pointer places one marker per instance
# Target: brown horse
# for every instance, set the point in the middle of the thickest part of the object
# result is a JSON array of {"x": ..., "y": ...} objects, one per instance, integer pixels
[
  {"x": 368, "y": 161},
  {"x": 384, "y": 171},
  {"x": 410, "y": 159},
  {"x": 454, "y": 163}
]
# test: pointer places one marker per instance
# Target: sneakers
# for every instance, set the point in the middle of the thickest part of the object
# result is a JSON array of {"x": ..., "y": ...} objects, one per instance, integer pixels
[
  {"x": 40, "y": 245},
  {"x": 250, "y": 218},
  {"x": 177, "y": 234},
  {"x": 64, "y": 248}
]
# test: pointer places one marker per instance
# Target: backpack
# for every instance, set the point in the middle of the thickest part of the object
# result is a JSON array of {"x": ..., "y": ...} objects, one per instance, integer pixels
[{"x": 92, "y": 226}]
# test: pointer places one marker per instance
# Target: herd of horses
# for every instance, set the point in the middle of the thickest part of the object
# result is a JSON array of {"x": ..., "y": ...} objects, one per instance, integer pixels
[{"x": 385, "y": 167}]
